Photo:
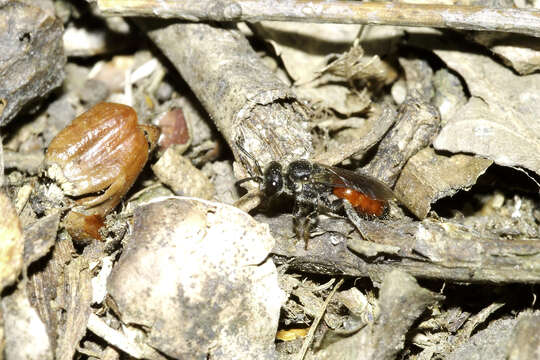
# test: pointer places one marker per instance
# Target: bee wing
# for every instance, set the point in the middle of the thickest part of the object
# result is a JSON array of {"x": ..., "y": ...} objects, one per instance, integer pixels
[{"x": 363, "y": 183}]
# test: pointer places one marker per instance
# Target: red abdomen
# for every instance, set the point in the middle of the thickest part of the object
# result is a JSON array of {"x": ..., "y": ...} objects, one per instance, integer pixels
[{"x": 361, "y": 202}]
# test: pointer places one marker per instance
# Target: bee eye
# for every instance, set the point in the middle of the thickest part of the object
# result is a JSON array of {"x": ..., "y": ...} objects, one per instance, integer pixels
[{"x": 273, "y": 179}]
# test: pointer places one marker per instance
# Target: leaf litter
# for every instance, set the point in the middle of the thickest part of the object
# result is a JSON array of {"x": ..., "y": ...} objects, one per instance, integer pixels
[{"x": 451, "y": 272}]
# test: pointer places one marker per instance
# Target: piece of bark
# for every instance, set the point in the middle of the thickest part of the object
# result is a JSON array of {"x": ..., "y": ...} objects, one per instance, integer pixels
[
  {"x": 427, "y": 249},
  {"x": 247, "y": 102},
  {"x": 417, "y": 124},
  {"x": 459, "y": 251},
  {"x": 32, "y": 62},
  {"x": 419, "y": 76},
  {"x": 76, "y": 296},
  {"x": 429, "y": 176}
]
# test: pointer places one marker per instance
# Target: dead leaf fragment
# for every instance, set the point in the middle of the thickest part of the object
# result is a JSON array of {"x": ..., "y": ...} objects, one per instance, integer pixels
[
  {"x": 500, "y": 120},
  {"x": 354, "y": 65},
  {"x": 39, "y": 237},
  {"x": 12, "y": 243},
  {"x": 357, "y": 141},
  {"x": 304, "y": 48},
  {"x": 429, "y": 176},
  {"x": 337, "y": 97}
]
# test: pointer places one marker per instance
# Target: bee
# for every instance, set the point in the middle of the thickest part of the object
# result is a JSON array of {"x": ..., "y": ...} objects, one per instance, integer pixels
[{"x": 316, "y": 187}]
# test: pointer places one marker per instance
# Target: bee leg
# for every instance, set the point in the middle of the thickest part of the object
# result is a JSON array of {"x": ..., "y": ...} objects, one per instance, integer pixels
[
  {"x": 354, "y": 218},
  {"x": 301, "y": 212},
  {"x": 309, "y": 221},
  {"x": 298, "y": 213}
]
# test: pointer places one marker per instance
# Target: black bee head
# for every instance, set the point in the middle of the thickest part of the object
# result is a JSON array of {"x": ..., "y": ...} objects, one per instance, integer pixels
[{"x": 272, "y": 179}]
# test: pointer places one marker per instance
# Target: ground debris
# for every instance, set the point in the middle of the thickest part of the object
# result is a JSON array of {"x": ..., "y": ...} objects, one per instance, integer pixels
[{"x": 447, "y": 119}]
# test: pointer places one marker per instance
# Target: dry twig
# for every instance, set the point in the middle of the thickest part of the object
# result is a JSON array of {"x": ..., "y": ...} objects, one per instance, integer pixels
[
  {"x": 427, "y": 249},
  {"x": 118, "y": 339},
  {"x": 248, "y": 103},
  {"x": 341, "y": 12}
]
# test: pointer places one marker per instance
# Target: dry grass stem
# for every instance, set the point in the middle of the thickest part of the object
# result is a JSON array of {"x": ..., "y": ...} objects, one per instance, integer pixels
[{"x": 317, "y": 320}]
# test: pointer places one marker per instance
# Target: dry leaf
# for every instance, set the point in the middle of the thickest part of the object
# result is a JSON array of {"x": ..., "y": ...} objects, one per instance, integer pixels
[
  {"x": 304, "y": 48},
  {"x": 354, "y": 65},
  {"x": 428, "y": 177},
  {"x": 337, "y": 97},
  {"x": 500, "y": 121}
]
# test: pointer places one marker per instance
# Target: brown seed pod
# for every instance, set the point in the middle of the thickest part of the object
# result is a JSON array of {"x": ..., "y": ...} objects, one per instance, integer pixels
[{"x": 98, "y": 157}]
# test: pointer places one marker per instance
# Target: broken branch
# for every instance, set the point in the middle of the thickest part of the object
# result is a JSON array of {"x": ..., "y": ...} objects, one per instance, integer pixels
[{"x": 477, "y": 18}]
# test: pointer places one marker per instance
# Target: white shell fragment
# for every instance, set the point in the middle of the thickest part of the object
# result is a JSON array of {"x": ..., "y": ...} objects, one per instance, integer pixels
[
  {"x": 181, "y": 176},
  {"x": 197, "y": 276}
]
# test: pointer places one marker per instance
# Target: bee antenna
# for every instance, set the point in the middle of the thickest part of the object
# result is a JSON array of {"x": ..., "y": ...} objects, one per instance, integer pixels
[
  {"x": 253, "y": 178},
  {"x": 252, "y": 158}
]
